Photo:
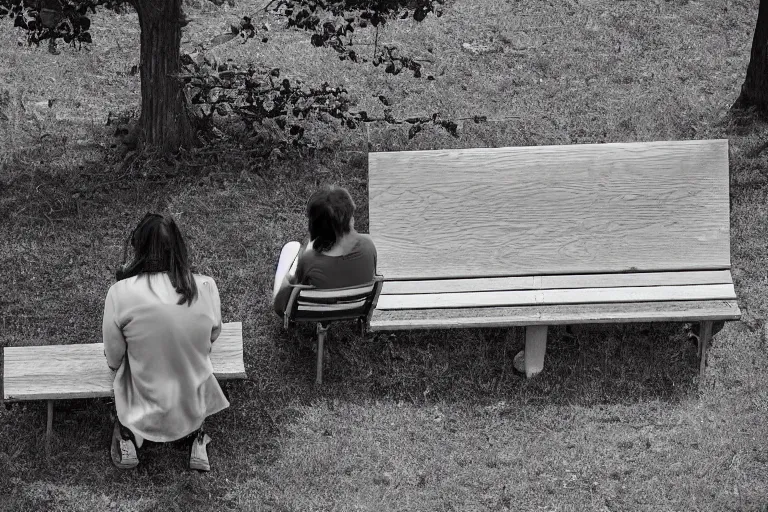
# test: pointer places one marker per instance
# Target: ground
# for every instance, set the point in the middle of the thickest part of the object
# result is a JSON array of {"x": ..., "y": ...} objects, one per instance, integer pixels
[{"x": 414, "y": 421}]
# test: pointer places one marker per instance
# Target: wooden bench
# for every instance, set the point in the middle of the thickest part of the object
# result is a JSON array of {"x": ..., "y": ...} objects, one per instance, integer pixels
[
  {"x": 323, "y": 306},
  {"x": 538, "y": 236},
  {"x": 57, "y": 372}
]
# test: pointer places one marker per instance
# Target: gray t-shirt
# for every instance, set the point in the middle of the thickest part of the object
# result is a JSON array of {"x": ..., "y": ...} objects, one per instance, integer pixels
[{"x": 323, "y": 271}]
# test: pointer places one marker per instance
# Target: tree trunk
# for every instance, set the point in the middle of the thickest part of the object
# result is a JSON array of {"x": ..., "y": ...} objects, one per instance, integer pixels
[
  {"x": 164, "y": 123},
  {"x": 754, "y": 91}
]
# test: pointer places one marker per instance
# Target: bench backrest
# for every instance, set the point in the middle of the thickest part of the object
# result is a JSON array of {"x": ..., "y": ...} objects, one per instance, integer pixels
[
  {"x": 309, "y": 304},
  {"x": 652, "y": 206}
]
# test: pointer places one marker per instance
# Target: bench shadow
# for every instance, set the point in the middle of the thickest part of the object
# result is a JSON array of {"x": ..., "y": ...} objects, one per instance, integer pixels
[
  {"x": 599, "y": 364},
  {"x": 596, "y": 364}
]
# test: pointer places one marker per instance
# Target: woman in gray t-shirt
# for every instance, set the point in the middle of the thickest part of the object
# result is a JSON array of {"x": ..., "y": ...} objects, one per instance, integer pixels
[{"x": 336, "y": 255}]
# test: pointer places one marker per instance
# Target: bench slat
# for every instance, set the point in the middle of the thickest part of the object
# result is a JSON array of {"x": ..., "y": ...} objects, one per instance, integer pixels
[
  {"x": 336, "y": 293},
  {"x": 51, "y": 372},
  {"x": 339, "y": 306},
  {"x": 668, "y": 311},
  {"x": 521, "y": 211},
  {"x": 488, "y": 284},
  {"x": 560, "y": 296}
]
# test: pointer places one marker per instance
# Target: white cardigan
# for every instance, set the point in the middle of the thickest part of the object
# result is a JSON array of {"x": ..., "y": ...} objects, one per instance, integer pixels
[{"x": 164, "y": 385}]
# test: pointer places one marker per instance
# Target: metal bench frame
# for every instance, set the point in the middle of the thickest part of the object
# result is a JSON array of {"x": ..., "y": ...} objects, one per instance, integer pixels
[{"x": 323, "y": 306}]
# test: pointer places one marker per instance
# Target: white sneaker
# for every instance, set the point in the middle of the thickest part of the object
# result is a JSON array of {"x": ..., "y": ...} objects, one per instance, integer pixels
[
  {"x": 123, "y": 451},
  {"x": 198, "y": 455}
]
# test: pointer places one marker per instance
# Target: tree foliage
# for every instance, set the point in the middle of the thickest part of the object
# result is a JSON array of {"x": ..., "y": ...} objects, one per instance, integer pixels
[
  {"x": 333, "y": 24},
  {"x": 55, "y": 19},
  {"x": 252, "y": 94}
]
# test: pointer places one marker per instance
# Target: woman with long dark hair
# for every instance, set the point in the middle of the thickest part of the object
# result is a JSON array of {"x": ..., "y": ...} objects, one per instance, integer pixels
[
  {"x": 159, "y": 322},
  {"x": 336, "y": 255}
]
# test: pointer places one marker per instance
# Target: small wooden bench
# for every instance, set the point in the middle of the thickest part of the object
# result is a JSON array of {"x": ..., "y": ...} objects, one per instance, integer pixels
[
  {"x": 538, "y": 236},
  {"x": 58, "y": 372}
]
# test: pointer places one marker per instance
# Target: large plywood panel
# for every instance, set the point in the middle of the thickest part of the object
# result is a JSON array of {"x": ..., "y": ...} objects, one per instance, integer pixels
[
  {"x": 563, "y": 296},
  {"x": 671, "y": 311},
  {"x": 551, "y": 209},
  {"x": 80, "y": 371}
]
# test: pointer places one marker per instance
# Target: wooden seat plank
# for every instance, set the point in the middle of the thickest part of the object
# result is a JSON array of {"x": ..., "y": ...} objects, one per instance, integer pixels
[
  {"x": 560, "y": 296},
  {"x": 80, "y": 371},
  {"x": 682, "y": 278},
  {"x": 483, "y": 284},
  {"x": 668, "y": 311},
  {"x": 56, "y": 371},
  {"x": 591, "y": 208},
  {"x": 227, "y": 352}
]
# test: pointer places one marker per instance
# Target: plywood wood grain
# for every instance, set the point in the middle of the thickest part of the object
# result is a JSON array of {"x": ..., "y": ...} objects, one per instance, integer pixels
[
  {"x": 227, "y": 352},
  {"x": 479, "y": 284},
  {"x": 652, "y": 206},
  {"x": 560, "y": 296},
  {"x": 56, "y": 371},
  {"x": 80, "y": 371},
  {"x": 637, "y": 279},
  {"x": 670, "y": 311}
]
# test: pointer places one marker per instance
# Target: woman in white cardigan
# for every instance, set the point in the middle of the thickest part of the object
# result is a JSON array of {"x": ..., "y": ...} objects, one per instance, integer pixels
[{"x": 160, "y": 320}]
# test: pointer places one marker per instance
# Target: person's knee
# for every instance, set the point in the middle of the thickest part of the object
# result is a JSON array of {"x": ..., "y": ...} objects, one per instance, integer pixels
[{"x": 292, "y": 248}]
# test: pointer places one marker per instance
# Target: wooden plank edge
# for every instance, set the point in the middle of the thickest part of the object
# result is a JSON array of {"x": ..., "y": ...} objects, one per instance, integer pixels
[
  {"x": 385, "y": 155},
  {"x": 558, "y": 297},
  {"x": 494, "y": 284},
  {"x": 231, "y": 375},
  {"x": 480, "y": 322},
  {"x": 58, "y": 396},
  {"x": 419, "y": 275}
]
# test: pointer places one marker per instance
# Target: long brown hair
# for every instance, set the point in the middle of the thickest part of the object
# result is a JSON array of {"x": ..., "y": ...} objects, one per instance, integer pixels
[{"x": 159, "y": 247}]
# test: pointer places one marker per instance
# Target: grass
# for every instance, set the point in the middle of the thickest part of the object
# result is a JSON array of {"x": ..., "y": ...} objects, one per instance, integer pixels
[{"x": 416, "y": 420}]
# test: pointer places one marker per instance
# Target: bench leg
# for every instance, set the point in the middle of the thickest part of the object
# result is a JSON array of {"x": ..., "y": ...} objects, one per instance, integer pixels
[
  {"x": 321, "y": 332},
  {"x": 705, "y": 336},
  {"x": 535, "y": 348},
  {"x": 49, "y": 427}
]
